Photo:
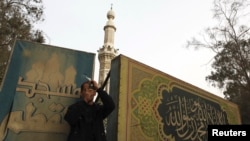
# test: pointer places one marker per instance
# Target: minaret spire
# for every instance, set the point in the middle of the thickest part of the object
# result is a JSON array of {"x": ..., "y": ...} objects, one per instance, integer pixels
[
  {"x": 107, "y": 52},
  {"x": 109, "y": 29}
]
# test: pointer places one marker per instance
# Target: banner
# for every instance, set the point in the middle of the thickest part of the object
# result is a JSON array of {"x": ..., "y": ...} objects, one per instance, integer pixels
[
  {"x": 40, "y": 83},
  {"x": 154, "y": 106}
]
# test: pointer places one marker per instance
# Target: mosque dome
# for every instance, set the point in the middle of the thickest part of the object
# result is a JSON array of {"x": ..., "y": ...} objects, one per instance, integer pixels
[{"x": 111, "y": 14}]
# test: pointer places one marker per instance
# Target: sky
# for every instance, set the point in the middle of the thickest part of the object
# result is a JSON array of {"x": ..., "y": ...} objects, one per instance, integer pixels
[{"x": 153, "y": 32}]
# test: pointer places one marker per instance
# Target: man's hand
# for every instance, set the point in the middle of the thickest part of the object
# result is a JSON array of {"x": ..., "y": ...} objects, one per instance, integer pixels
[{"x": 95, "y": 85}]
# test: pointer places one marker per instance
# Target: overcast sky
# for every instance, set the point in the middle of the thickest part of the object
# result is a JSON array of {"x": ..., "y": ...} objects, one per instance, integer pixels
[{"x": 153, "y": 32}]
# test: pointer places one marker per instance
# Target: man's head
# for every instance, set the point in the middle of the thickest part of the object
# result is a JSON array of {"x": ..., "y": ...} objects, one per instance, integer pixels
[{"x": 88, "y": 91}]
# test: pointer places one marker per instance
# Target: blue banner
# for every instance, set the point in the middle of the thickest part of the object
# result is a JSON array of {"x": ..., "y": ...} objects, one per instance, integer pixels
[{"x": 40, "y": 83}]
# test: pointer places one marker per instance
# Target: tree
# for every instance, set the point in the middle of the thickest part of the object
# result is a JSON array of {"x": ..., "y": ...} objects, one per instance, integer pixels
[
  {"x": 16, "y": 22},
  {"x": 230, "y": 41}
]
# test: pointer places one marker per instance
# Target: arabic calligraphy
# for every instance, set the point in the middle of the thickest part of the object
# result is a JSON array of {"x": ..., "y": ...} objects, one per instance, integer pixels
[
  {"x": 28, "y": 121},
  {"x": 186, "y": 116},
  {"x": 30, "y": 89}
]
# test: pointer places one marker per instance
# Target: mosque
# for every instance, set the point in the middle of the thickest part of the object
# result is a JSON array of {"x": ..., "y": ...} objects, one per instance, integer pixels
[
  {"x": 150, "y": 104},
  {"x": 108, "y": 51}
]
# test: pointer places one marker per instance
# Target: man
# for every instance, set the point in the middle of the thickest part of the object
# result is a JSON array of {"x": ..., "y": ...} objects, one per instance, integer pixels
[{"x": 85, "y": 117}]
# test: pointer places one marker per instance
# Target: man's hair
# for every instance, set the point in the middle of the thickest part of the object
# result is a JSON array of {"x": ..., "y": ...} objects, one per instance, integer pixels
[
  {"x": 90, "y": 85},
  {"x": 82, "y": 86}
]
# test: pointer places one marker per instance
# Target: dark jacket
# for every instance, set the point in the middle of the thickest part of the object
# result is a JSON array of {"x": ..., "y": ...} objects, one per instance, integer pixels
[{"x": 86, "y": 121}]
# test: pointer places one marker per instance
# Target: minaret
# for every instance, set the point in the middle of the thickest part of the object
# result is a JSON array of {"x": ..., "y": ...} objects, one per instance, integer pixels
[{"x": 107, "y": 52}]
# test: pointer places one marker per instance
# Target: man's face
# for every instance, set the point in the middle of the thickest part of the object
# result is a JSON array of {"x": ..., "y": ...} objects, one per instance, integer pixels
[{"x": 88, "y": 94}]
